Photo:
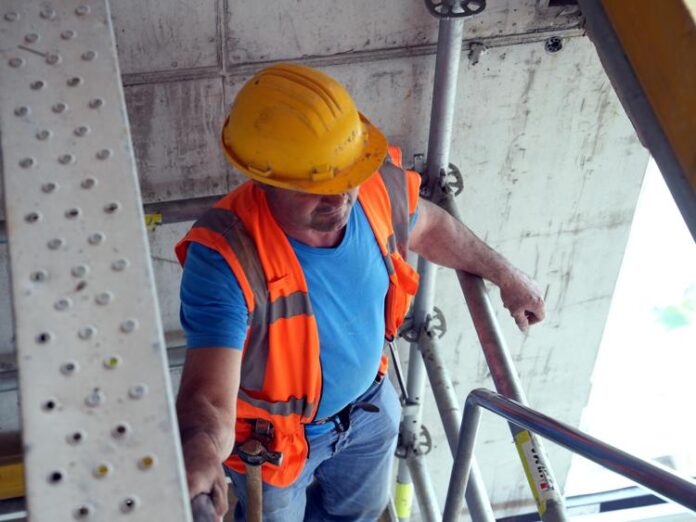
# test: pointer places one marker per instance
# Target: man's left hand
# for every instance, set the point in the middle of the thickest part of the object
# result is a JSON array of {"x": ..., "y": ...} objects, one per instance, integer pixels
[{"x": 522, "y": 297}]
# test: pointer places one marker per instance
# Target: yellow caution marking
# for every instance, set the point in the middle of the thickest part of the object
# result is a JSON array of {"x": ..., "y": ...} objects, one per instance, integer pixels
[
  {"x": 11, "y": 480},
  {"x": 540, "y": 482},
  {"x": 153, "y": 220},
  {"x": 403, "y": 500}
]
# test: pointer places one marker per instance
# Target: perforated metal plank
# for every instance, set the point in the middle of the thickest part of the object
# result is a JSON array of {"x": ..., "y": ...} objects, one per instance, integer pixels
[{"x": 98, "y": 422}]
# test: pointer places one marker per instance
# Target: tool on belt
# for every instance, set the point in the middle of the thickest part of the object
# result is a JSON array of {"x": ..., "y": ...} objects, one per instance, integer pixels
[{"x": 254, "y": 452}]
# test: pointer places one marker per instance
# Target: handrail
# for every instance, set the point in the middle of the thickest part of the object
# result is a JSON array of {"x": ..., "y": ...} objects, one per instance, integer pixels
[{"x": 662, "y": 481}]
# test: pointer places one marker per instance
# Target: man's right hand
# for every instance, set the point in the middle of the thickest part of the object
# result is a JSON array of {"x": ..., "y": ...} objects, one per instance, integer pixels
[{"x": 204, "y": 473}]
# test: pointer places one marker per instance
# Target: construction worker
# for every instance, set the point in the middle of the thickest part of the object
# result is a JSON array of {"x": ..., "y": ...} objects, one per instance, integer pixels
[{"x": 291, "y": 284}]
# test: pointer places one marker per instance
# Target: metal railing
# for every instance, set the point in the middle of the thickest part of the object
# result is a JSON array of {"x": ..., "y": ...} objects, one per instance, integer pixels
[{"x": 662, "y": 481}]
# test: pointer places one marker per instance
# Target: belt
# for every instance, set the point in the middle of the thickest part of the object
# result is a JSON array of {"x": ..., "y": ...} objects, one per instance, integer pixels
[{"x": 341, "y": 420}]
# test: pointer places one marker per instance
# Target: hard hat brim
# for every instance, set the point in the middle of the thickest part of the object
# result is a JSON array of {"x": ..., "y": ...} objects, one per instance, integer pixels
[{"x": 372, "y": 157}]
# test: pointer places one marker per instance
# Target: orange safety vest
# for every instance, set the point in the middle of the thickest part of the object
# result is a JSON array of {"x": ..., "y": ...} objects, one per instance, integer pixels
[{"x": 281, "y": 377}]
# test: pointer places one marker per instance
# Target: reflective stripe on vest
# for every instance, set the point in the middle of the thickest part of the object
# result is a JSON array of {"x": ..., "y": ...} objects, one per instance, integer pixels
[{"x": 255, "y": 360}]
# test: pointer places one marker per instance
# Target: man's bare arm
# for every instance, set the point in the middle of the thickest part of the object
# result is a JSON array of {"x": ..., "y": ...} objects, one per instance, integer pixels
[
  {"x": 206, "y": 408},
  {"x": 444, "y": 240}
]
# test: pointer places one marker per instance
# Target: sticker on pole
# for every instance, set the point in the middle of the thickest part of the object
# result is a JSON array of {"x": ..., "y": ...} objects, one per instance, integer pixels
[{"x": 538, "y": 475}]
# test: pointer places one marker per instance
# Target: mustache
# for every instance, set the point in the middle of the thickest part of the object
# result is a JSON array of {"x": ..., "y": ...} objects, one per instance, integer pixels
[{"x": 331, "y": 205}]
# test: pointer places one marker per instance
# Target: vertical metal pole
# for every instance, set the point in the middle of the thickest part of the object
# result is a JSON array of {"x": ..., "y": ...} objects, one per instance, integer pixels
[
  {"x": 441, "y": 122},
  {"x": 463, "y": 461},
  {"x": 411, "y": 421},
  {"x": 476, "y": 496},
  {"x": 538, "y": 470},
  {"x": 427, "y": 500}
]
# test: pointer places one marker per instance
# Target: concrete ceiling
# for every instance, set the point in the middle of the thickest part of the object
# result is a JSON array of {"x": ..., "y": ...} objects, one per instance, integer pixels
[{"x": 552, "y": 167}]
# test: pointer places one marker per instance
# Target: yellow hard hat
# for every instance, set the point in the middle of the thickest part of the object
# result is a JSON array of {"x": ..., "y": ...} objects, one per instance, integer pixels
[{"x": 294, "y": 127}]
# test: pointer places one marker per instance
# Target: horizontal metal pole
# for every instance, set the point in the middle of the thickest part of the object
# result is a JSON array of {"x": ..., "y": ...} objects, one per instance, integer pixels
[{"x": 652, "y": 476}]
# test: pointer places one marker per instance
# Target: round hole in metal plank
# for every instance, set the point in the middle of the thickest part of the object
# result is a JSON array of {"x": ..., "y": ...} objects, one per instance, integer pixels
[
  {"x": 37, "y": 85},
  {"x": 76, "y": 437},
  {"x": 147, "y": 462},
  {"x": 74, "y": 81},
  {"x": 104, "y": 298},
  {"x": 68, "y": 34},
  {"x": 44, "y": 337},
  {"x": 112, "y": 362},
  {"x": 129, "y": 504},
  {"x": 32, "y": 217},
  {"x": 88, "y": 56},
  {"x": 69, "y": 368},
  {"x": 96, "y": 238},
  {"x": 53, "y": 59},
  {"x": 112, "y": 207},
  {"x": 43, "y": 134},
  {"x": 79, "y": 270},
  {"x": 31, "y": 38},
  {"x": 15, "y": 62},
  {"x": 87, "y": 332},
  {"x": 95, "y": 398},
  {"x": 66, "y": 159},
  {"x": 59, "y": 107},
  {"x": 120, "y": 264},
  {"x": 102, "y": 470},
  {"x": 88, "y": 183},
  {"x": 96, "y": 103},
  {"x": 38, "y": 276},
  {"x": 62, "y": 304},
  {"x": 138, "y": 391},
  {"x": 120, "y": 430},
  {"x": 55, "y": 243},
  {"x": 11, "y": 16},
  {"x": 82, "y": 10},
  {"x": 49, "y": 405},
  {"x": 129, "y": 325},
  {"x": 72, "y": 213},
  {"x": 22, "y": 111},
  {"x": 103, "y": 154},
  {"x": 81, "y": 131},
  {"x": 26, "y": 163},
  {"x": 84, "y": 511},
  {"x": 47, "y": 13},
  {"x": 55, "y": 477}
]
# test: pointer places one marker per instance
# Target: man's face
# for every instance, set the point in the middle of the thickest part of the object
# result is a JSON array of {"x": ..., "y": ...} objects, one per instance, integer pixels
[{"x": 322, "y": 213}]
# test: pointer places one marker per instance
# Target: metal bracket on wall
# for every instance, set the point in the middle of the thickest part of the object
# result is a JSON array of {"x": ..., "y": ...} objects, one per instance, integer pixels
[
  {"x": 455, "y": 8},
  {"x": 98, "y": 424}
]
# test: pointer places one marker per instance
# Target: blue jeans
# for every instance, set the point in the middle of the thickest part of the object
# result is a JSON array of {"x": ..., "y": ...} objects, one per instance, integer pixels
[{"x": 346, "y": 477}]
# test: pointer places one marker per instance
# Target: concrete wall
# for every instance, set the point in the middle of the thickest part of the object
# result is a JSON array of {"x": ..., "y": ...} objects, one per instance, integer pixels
[{"x": 551, "y": 165}]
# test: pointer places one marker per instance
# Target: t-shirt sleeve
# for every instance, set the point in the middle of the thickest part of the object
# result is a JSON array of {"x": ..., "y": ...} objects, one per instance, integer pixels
[
  {"x": 213, "y": 310},
  {"x": 412, "y": 222}
]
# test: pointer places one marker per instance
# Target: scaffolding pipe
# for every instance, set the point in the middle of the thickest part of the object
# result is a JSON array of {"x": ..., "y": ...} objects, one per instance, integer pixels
[
  {"x": 427, "y": 500},
  {"x": 507, "y": 382},
  {"x": 411, "y": 421},
  {"x": 449, "y": 46},
  {"x": 664, "y": 482},
  {"x": 476, "y": 496}
]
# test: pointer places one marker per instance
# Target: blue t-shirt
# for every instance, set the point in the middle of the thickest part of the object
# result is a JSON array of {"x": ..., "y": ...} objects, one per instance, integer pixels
[{"x": 347, "y": 286}]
